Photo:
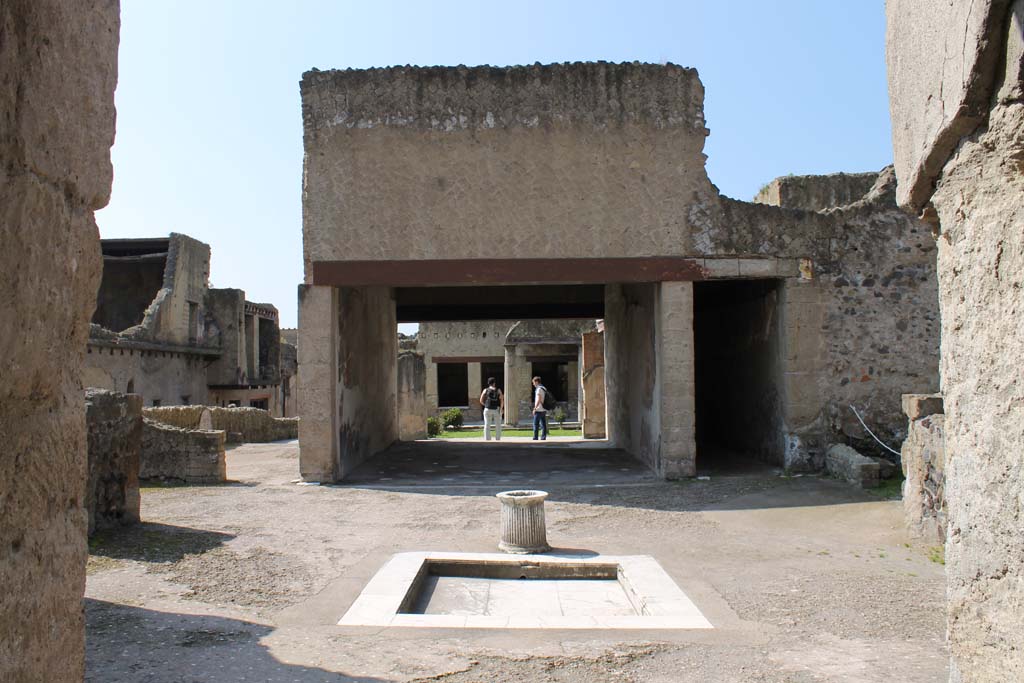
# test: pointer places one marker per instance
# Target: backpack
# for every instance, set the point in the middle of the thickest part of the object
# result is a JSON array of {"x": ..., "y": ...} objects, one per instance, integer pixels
[
  {"x": 549, "y": 399},
  {"x": 493, "y": 402}
]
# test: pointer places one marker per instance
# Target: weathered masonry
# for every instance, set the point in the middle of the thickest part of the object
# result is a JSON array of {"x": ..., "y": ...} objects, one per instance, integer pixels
[
  {"x": 956, "y": 94},
  {"x": 161, "y": 332},
  {"x": 580, "y": 191}
]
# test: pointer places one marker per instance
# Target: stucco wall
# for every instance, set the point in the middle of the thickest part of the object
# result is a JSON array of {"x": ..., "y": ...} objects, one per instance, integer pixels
[
  {"x": 436, "y": 133},
  {"x": 956, "y": 91},
  {"x": 155, "y": 375},
  {"x": 58, "y": 66}
]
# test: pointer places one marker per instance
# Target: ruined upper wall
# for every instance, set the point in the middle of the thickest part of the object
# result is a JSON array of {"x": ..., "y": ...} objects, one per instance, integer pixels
[
  {"x": 58, "y": 69},
  {"x": 816, "y": 192},
  {"x": 583, "y": 160},
  {"x": 941, "y": 57}
]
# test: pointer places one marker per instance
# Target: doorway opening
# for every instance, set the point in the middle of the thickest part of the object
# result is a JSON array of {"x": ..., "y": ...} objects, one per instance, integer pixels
[{"x": 737, "y": 349}]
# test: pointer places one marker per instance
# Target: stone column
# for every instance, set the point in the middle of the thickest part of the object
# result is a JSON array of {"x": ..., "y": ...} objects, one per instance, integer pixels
[
  {"x": 475, "y": 411},
  {"x": 616, "y": 363},
  {"x": 412, "y": 400},
  {"x": 592, "y": 370},
  {"x": 318, "y": 354},
  {"x": 574, "y": 389},
  {"x": 513, "y": 388},
  {"x": 678, "y": 448}
]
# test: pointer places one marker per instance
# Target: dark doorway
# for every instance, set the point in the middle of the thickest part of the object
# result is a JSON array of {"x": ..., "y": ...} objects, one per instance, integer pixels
[
  {"x": 452, "y": 385},
  {"x": 495, "y": 370},
  {"x": 553, "y": 375},
  {"x": 737, "y": 347}
]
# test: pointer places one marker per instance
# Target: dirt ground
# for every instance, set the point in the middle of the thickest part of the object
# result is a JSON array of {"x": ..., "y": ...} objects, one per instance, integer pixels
[{"x": 804, "y": 579}]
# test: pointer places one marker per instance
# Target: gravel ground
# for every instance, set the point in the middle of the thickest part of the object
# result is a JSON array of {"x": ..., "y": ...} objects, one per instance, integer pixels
[{"x": 804, "y": 580}]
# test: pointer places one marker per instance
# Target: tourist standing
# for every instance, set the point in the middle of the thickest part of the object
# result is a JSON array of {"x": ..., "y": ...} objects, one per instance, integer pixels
[
  {"x": 540, "y": 413},
  {"x": 493, "y": 401}
]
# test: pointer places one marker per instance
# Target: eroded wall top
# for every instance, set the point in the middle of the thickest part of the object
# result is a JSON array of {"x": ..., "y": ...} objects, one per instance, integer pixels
[
  {"x": 580, "y": 160},
  {"x": 941, "y": 58}
]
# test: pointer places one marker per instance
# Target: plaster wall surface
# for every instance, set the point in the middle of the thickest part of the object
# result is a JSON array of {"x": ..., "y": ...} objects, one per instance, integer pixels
[
  {"x": 164, "y": 376},
  {"x": 956, "y": 91},
  {"x": 58, "y": 67},
  {"x": 479, "y": 162},
  {"x": 367, "y": 379}
]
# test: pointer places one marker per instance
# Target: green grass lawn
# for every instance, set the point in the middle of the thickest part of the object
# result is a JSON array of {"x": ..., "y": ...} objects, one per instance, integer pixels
[{"x": 475, "y": 432}]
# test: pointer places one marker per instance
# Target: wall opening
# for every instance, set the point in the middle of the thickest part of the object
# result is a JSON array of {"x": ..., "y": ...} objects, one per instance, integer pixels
[
  {"x": 452, "y": 385},
  {"x": 737, "y": 347},
  {"x": 495, "y": 370},
  {"x": 129, "y": 284},
  {"x": 554, "y": 376}
]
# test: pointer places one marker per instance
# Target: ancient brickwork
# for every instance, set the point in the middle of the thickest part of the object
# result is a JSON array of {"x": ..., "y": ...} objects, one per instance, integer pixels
[
  {"x": 924, "y": 466},
  {"x": 192, "y": 456},
  {"x": 114, "y": 427},
  {"x": 956, "y": 83},
  {"x": 58, "y": 67}
]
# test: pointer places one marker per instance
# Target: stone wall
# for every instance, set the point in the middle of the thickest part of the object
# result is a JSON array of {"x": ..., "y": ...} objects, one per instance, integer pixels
[
  {"x": 924, "y": 466},
  {"x": 193, "y": 456},
  {"x": 957, "y": 99},
  {"x": 169, "y": 377},
  {"x": 857, "y": 306},
  {"x": 58, "y": 66},
  {"x": 254, "y": 425},
  {"x": 349, "y": 379},
  {"x": 816, "y": 192},
  {"x": 435, "y": 133},
  {"x": 114, "y": 427},
  {"x": 227, "y": 308}
]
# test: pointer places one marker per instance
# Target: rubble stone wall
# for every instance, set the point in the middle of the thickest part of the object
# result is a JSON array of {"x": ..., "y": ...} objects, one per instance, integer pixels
[
  {"x": 254, "y": 424},
  {"x": 58, "y": 70},
  {"x": 192, "y": 456},
  {"x": 114, "y": 424},
  {"x": 924, "y": 466},
  {"x": 957, "y": 99}
]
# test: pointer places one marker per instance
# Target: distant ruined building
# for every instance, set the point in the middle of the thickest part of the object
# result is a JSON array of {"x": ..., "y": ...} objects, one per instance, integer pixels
[{"x": 161, "y": 332}]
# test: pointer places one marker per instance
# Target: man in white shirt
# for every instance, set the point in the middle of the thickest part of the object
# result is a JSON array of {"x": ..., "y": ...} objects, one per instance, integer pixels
[{"x": 540, "y": 414}]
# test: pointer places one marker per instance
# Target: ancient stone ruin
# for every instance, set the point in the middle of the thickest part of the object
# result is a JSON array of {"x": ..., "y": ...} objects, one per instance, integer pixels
[
  {"x": 955, "y": 92},
  {"x": 717, "y": 313},
  {"x": 160, "y": 331}
]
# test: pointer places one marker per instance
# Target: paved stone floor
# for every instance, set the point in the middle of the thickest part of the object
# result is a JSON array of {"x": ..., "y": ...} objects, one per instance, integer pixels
[{"x": 804, "y": 579}]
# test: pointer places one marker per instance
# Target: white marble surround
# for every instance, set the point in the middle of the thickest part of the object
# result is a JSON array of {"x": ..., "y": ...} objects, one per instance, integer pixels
[{"x": 657, "y": 602}]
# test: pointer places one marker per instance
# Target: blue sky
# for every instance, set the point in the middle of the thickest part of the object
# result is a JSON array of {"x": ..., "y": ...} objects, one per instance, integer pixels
[{"x": 209, "y": 131}]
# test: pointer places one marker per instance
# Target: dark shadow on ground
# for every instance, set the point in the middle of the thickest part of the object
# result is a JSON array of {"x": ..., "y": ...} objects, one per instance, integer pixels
[
  {"x": 594, "y": 476},
  {"x": 129, "y": 644},
  {"x": 149, "y": 542}
]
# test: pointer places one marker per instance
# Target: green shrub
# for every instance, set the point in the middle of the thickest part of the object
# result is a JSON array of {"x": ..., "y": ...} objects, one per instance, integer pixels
[
  {"x": 559, "y": 416},
  {"x": 452, "y": 418},
  {"x": 433, "y": 427}
]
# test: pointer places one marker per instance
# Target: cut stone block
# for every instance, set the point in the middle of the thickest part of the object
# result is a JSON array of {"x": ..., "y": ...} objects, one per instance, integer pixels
[
  {"x": 845, "y": 463},
  {"x": 917, "y": 406}
]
